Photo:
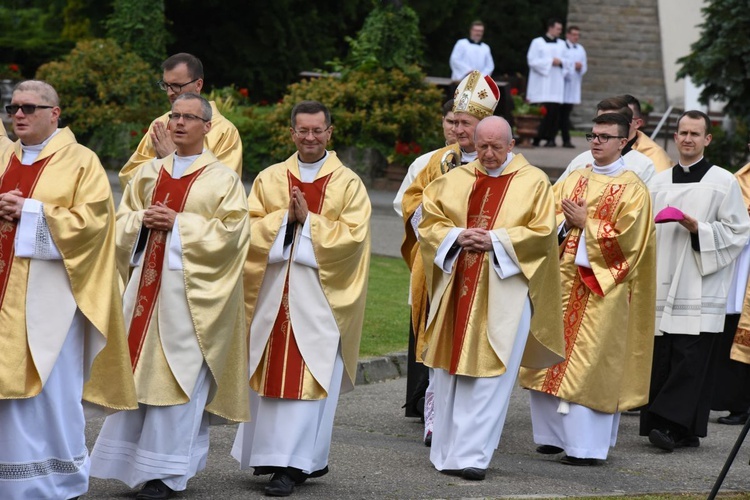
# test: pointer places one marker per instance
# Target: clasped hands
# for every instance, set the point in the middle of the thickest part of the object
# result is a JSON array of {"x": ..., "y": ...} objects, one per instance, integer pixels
[
  {"x": 574, "y": 212},
  {"x": 297, "y": 206},
  {"x": 475, "y": 239},
  {"x": 159, "y": 217},
  {"x": 11, "y": 204}
]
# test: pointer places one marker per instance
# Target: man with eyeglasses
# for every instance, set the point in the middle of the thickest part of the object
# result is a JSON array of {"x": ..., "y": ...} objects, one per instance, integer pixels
[
  {"x": 183, "y": 73},
  {"x": 305, "y": 287},
  {"x": 488, "y": 242},
  {"x": 63, "y": 340},
  {"x": 697, "y": 247},
  {"x": 182, "y": 236},
  {"x": 634, "y": 160},
  {"x": 607, "y": 269}
]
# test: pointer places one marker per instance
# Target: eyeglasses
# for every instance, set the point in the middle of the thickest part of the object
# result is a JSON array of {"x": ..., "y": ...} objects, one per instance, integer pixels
[
  {"x": 188, "y": 117},
  {"x": 28, "y": 109},
  {"x": 603, "y": 137},
  {"x": 174, "y": 87},
  {"x": 316, "y": 132}
]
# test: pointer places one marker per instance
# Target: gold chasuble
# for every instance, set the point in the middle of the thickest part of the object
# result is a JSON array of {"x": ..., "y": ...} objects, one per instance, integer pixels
[
  {"x": 609, "y": 309},
  {"x": 293, "y": 344},
  {"x": 223, "y": 140},
  {"x": 475, "y": 315},
  {"x": 77, "y": 200},
  {"x": 741, "y": 346},
  {"x": 410, "y": 246},
  {"x": 179, "y": 318}
]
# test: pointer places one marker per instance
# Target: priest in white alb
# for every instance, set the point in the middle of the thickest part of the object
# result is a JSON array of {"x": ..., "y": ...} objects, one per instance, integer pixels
[
  {"x": 305, "y": 288},
  {"x": 182, "y": 236},
  {"x": 62, "y": 336},
  {"x": 489, "y": 245}
]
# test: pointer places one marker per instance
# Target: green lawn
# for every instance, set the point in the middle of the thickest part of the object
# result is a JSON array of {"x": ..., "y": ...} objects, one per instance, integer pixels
[{"x": 386, "y": 327}]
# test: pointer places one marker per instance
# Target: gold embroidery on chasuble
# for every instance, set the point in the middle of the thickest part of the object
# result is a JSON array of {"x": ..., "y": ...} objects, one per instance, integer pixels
[
  {"x": 282, "y": 371},
  {"x": 585, "y": 282},
  {"x": 173, "y": 193},
  {"x": 463, "y": 346}
]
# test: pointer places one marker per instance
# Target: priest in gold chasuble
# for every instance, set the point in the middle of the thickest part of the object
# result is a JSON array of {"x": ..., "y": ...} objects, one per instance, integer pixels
[
  {"x": 183, "y": 73},
  {"x": 305, "y": 287},
  {"x": 475, "y": 98},
  {"x": 488, "y": 234},
  {"x": 182, "y": 237},
  {"x": 62, "y": 338},
  {"x": 608, "y": 268}
]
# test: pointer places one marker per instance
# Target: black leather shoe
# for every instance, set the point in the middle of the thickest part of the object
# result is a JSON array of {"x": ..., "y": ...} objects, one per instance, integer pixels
[
  {"x": 281, "y": 485},
  {"x": 473, "y": 474},
  {"x": 568, "y": 145},
  {"x": 154, "y": 490},
  {"x": 548, "y": 449},
  {"x": 568, "y": 460},
  {"x": 687, "y": 442},
  {"x": 428, "y": 440},
  {"x": 662, "y": 438},
  {"x": 469, "y": 473},
  {"x": 734, "y": 418},
  {"x": 550, "y": 144}
]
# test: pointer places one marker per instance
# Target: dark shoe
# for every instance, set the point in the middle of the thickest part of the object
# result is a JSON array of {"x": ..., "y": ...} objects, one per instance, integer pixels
[
  {"x": 734, "y": 418},
  {"x": 154, "y": 490},
  {"x": 428, "y": 440},
  {"x": 281, "y": 485},
  {"x": 550, "y": 144},
  {"x": 568, "y": 145},
  {"x": 662, "y": 438},
  {"x": 568, "y": 460},
  {"x": 473, "y": 474},
  {"x": 548, "y": 449},
  {"x": 688, "y": 442},
  {"x": 469, "y": 473}
]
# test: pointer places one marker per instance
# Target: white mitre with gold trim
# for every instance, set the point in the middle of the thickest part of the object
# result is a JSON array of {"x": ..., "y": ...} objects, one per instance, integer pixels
[{"x": 477, "y": 95}]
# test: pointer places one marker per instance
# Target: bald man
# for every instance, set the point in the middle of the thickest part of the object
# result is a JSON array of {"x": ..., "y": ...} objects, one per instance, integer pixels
[{"x": 488, "y": 232}]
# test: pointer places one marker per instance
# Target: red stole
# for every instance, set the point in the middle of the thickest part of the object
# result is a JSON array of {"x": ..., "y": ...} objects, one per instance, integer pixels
[
  {"x": 286, "y": 367},
  {"x": 173, "y": 193},
  {"x": 23, "y": 178},
  {"x": 485, "y": 200}
]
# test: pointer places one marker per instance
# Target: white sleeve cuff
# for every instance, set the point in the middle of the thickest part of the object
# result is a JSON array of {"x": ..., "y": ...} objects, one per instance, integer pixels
[
  {"x": 280, "y": 252},
  {"x": 174, "y": 262},
  {"x": 582, "y": 255},
  {"x": 415, "y": 220},
  {"x": 502, "y": 262},
  {"x": 444, "y": 258},
  {"x": 33, "y": 239},
  {"x": 304, "y": 253}
]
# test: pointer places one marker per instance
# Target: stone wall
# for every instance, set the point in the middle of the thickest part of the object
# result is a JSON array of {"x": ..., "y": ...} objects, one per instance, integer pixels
[{"x": 623, "y": 45}]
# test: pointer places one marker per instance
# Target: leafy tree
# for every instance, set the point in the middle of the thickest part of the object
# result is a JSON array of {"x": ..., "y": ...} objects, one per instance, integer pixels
[
  {"x": 390, "y": 38},
  {"x": 720, "y": 62},
  {"x": 140, "y": 26}
]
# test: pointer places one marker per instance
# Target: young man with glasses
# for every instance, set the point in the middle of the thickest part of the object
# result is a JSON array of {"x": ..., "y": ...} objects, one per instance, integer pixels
[
  {"x": 63, "y": 340},
  {"x": 607, "y": 269},
  {"x": 183, "y": 73},
  {"x": 305, "y": 287},
  {"x": 696, "y": 255},
  {"x": 182, "y": 236},
  {"x": 634, "y": 160}
]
